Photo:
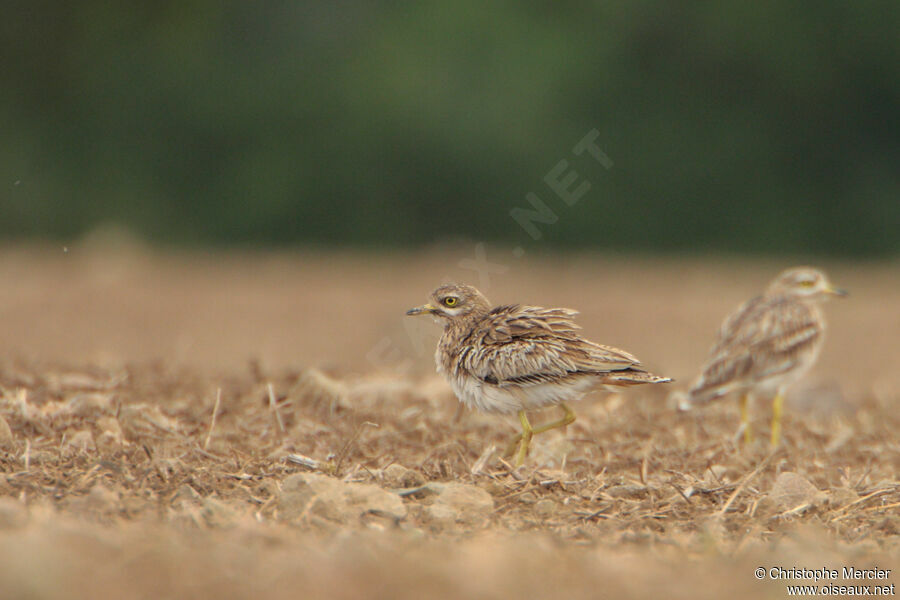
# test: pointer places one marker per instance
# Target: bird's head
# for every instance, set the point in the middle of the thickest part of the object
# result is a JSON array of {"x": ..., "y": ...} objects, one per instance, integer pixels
[
  {"x": 453, "y": 301},
  {"x": 804, "y": 283}
]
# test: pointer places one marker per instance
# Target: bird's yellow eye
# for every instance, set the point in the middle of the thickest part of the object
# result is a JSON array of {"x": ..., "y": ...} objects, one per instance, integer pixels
[
  {"x": 807, "y": 283},
  {"x": 450, "y": 301}
]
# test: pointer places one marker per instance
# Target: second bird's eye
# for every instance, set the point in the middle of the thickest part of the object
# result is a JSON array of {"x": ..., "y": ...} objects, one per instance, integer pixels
[{"x": 450, "y": 301}]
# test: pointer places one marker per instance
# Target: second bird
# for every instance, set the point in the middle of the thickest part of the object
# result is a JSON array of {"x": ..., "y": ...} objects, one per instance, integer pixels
[
  {"x": 511, "y": 359},
  {"x": 767, "y": 344}
]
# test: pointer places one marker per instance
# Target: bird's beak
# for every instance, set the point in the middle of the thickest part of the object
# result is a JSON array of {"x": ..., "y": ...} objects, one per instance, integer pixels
[
  {"x": 836, "y": 291},
  {"x": 421, "y": 310}
]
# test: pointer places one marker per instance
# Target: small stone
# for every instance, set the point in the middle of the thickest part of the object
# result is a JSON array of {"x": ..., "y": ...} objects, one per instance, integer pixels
[
  {"x": 107, "y": 443},
  {"x": 465, "y": 504},
  {"x": 80, "y": 442},
  {"x": 412, "y": 479},
  {"x": 495, "y": 488},
  {"x": 314, "y": 387},
  {"x": 216, "y": 513},
  {"x": 545, "y": 508},
  {"x": 889, "y": 525},
  {"x": 792, "y": 490},
  {"x": 718, "y": 474},
  {"x": 139, "y": 419},
  {"x": 110, "y": 425},
  {"x": 393, "y": 475},
  {"x": 102, "y": 498},
  {"x": 87, "y": 405},
  {"x": 6, "y": 435},
  {"x": 110, "y": 438},
  {"x": 188, "y": 494},
  {"x": 628, "y": 490},
  {"x": 306, "y": 495},
  {"x": 414, "y": 534},
  {"x": 440, "y": 516},
  {"x": 528, "y": 498},
  {"x": 99, "y": 499}
]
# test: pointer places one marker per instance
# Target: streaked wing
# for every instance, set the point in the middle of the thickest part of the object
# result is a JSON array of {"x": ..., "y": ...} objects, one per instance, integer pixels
[
  {"x": 764, "y": 338},
  {"x": 531, "y": 345}
]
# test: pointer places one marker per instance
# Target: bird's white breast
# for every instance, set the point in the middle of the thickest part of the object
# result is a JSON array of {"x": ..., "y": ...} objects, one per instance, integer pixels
[{"x": 511, "y": 398}]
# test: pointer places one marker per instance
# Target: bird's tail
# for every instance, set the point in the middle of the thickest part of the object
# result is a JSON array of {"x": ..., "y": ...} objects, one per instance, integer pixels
[{"x": 633, "y": 377}]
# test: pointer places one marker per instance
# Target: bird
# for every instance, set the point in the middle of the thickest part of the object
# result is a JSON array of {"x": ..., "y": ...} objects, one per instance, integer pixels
[
  {"x": 767, "y": 344},
  {"x": 513, "y": 358}
]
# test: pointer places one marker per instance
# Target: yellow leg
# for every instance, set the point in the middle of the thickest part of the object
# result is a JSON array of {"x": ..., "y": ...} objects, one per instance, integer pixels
[
  {"x": 777, "y": 407},
  {"x": 523, "y": 440},
  {"x": 568, "y": 419},
  {"x": 745, "y": 419},
  {"x": 515, "y": 442},
  {"x": 512, "y": 446}
]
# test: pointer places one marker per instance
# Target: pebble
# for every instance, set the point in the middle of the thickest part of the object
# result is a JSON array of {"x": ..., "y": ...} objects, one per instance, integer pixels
[
  {"x": 312, "y": 495},
  {"x": 6, "y": 435},
  {"x": 791, "y": 490},
  {"x": 459, "y": 503}
]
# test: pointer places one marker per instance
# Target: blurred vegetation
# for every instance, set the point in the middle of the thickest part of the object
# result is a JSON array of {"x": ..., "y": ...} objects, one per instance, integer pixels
[{"x": 734, "y": 126}]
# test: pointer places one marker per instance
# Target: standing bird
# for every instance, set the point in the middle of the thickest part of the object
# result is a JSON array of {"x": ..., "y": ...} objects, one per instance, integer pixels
[
  {"x": 512, "y": 359},
  {"x": 768, "y": 344}
]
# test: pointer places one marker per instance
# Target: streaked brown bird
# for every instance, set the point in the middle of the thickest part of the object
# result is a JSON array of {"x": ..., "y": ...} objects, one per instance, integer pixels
[
  {"x": 767, "y": 344},
  {"x": 514, "y": 358}
]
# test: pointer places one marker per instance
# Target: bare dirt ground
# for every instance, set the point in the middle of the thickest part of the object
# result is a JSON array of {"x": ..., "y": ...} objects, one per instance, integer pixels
[{"x": 338, "y": 465}]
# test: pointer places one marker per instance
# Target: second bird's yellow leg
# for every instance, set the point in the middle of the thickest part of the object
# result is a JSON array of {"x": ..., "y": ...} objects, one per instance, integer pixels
[
  {"x": 777, "y": 408},
  {"x": 745, "y": 419}
]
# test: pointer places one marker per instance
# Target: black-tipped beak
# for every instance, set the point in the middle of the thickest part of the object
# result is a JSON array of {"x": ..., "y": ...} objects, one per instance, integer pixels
[
  {"x": 420, "y": 310},
  {"x": 838, "y": 292}
]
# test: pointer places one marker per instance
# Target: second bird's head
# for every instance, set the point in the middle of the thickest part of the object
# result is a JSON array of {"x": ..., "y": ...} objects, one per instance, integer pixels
[
  {"x": 804, "y": 283},
  {"x": 453, "y": 301}
]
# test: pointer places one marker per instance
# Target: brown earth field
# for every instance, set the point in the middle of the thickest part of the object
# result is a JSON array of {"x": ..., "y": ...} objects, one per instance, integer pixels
[{"x": 269, "y": 425}]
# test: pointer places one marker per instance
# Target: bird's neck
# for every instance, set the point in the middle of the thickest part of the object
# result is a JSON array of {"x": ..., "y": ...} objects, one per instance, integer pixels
[{"x": 459, "y": 328}]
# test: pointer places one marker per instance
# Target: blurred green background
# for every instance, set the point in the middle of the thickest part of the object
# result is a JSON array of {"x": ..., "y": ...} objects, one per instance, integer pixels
[{"x": 734, "y": 126}]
